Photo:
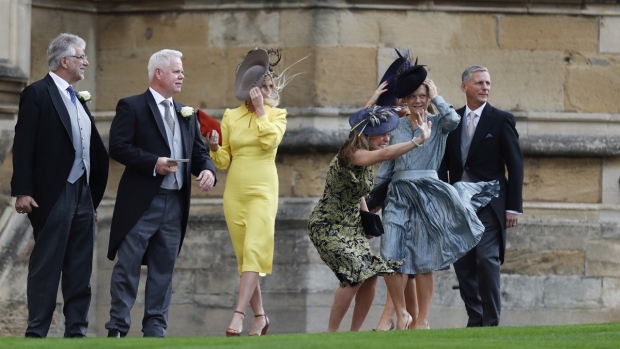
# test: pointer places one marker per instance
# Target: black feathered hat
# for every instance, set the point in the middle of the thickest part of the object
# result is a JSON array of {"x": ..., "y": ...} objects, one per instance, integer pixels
[
  {"x": 399, "y": 65},
  {"x": 409, "y": 80}
]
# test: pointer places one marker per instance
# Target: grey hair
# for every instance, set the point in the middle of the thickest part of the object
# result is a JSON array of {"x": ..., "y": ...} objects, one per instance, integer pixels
[
  {"x": 161, "y": 59},
  {"x": 469, "y": 71},
  {"x": 62, "y": 46}
]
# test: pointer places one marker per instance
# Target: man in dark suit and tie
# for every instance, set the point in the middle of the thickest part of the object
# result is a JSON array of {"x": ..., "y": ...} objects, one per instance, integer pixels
[
  {"x": 482, "y": 148},
  {"x": 149, "y": 131},
  {"x": 60, "y": 171}
]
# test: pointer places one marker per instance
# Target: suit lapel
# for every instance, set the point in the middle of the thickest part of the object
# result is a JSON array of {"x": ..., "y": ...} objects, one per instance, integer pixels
[
  {"x": 185, "y": 132},
  {"x": 150, "y": 100},
  {"x": 59, "y": 105},
  {"x": 483, "y": 127},
  {"x": 457, "y": 133}
]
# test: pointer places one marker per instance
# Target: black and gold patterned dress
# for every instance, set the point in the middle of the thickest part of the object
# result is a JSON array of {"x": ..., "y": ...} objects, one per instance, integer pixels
[{"x": 335, "y": 226}]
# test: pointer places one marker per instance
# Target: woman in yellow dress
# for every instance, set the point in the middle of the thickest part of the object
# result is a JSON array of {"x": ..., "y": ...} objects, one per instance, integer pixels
[{"x": 251, "y": 134}]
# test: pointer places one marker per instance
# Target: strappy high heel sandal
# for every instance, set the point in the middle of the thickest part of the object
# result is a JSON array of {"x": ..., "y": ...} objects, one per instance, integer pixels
[
  {"x": 232, "y": 332},
  {"x": 265, "y": 328}
]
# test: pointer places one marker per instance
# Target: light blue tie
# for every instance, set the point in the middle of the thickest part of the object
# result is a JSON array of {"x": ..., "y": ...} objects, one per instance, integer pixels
[{"x": 72, "y": 94}]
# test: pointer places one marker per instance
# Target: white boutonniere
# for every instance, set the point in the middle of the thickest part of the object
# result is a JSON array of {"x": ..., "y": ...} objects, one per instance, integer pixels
[
  {"x": 84, "y": 96},
  {"x": 186, "y": 112}
]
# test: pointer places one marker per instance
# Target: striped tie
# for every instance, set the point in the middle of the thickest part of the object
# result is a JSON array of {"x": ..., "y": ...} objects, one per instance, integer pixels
[{"x": 167, "y": 115}]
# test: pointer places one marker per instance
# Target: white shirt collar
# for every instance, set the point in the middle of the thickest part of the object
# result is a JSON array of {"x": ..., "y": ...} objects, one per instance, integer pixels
[
  {"x": 478, "y": 111},
  {"x": 60, "y": 82},
  {"x": 159, "y": 98}
]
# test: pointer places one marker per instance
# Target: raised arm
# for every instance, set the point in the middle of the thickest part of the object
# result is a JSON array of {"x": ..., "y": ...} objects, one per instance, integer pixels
[{"x": 363, "y": 157}]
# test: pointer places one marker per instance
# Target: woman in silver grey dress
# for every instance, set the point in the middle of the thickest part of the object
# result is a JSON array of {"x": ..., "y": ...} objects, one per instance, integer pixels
[
  {"x": 427, "y": 222},
  {"x": 335, "y": 227}
]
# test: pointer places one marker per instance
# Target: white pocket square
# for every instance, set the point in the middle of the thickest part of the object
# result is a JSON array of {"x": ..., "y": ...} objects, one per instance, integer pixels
[{"x": 489, "y": 136}]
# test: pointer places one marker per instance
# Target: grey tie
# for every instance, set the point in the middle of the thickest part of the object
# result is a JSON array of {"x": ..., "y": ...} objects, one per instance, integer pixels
[
  {"x": 470, "y": 124},
  {"x": 167, "y": 115}
]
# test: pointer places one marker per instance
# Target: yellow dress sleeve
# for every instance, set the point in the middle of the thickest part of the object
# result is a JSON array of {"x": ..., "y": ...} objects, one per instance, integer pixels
[
  {"x": 221, "y": 157},
  {"x": 271, "y": 128}
]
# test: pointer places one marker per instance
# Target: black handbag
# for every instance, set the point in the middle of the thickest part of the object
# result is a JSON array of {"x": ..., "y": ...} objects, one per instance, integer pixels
[
  {"x": 371, "y": 223},
  {"x": 377, "y": 195}
]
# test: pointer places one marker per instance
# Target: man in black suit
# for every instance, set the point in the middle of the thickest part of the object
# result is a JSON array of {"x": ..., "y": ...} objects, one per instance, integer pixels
[
  {"x": 60, "y": 171},
  {"x": 482, "y": 148},
  {"x": 149, "y": 131}
]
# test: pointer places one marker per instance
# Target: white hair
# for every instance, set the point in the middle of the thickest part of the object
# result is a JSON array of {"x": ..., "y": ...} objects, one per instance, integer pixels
[
  {"x": 161, "y": 59},
  {"x": 62, "y": 46}
]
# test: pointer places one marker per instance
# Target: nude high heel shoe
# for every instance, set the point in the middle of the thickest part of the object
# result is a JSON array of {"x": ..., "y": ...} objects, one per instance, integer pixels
[{"x": 265, "y": 328}]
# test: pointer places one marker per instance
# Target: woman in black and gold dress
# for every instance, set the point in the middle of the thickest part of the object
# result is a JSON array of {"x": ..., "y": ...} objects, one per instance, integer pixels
[{"x": 335, "y": 225}]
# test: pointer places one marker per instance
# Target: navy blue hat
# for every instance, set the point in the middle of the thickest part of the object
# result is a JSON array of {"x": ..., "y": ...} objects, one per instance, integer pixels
[
  {"x": 409, "y": 80},
  {"x": 375, "y": 120},
  {"x": 399, "y": 65}
]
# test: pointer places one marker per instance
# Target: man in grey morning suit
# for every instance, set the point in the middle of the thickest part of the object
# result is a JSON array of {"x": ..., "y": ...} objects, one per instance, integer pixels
[
  {"x": 152, "y": 204},
  {"x": 482, "y": 148},
  {"x": 60, "y": 171}
]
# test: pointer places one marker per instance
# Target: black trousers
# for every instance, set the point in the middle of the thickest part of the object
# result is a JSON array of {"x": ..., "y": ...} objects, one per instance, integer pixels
[
  {"x": 478, "y": 273},
  {"x": 63, "y": 250}
]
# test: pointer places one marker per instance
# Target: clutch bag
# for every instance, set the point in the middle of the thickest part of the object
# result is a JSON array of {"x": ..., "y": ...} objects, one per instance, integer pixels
[
  {"x": 371, "y": 223},
  {"x": 377, "y": 196}
]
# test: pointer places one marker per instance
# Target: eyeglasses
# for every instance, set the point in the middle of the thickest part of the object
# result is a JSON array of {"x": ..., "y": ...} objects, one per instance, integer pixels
[{"x": 81, "y": 58}]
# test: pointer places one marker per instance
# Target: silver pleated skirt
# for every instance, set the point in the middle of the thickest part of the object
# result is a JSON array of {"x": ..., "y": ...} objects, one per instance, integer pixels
[{"x": 429, "y": 223}]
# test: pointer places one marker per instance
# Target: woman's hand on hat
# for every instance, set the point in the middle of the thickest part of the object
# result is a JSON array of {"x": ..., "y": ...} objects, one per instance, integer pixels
[
  {"x": 213, "y": 141},
  {"x": 424, "y": 126},
  {"x": 375, "y": 96},
  {"x": 432, "y": 89},
  {"x": 257, "y": 101}
]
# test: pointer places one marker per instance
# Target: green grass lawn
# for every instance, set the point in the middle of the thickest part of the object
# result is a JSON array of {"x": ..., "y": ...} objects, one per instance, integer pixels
[{"x": 544, "y": 337}]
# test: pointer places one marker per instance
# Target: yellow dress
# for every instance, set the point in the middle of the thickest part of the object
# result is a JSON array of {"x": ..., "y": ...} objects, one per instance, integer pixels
[{"x": 249, "y": 147}]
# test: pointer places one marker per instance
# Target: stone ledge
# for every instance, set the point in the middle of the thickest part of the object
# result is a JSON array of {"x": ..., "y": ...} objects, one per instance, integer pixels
[{"x": 589, "y": 7}]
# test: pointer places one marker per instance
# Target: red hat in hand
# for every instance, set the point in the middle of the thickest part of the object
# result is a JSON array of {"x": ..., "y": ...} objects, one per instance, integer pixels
[{"x": 208, "y": 124}]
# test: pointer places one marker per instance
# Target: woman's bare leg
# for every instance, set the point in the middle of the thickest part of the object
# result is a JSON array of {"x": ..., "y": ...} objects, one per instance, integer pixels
[
  {"x": 387, "y": 317},
  {"x": 342, "y": 301},
  {"x": 247, "y": 287},
  {"x": 411, "y": 298},
  {"x": 425, "y": 286},
  {"x": 256, "y": 302},
  {"x": 394, "y": 284},
  {"x": 363, "y": 301}
]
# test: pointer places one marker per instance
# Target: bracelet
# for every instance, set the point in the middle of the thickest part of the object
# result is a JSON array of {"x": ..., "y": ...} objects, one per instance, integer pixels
[{"x": 416, "y": 143}]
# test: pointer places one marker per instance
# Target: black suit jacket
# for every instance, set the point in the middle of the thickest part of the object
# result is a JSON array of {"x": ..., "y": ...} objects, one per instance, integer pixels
[
  {"x": 137, "y": 139},
  {"x": 494, "y": 150},
  {"x": 43, "y": 152}
]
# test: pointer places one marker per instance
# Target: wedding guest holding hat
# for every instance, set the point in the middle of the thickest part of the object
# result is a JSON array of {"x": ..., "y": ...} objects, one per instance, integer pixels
[
  {"x": 384, "y": 96},
  {"x": 335, "y": 225},
  {"x": 250, "y": 137},
  {"x": 427, "y": 223}
]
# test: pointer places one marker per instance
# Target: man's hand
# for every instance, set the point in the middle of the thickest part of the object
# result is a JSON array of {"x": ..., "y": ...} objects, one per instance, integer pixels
[
  {"x": 206, "y": 180},
  {"x": 24, "y": 204},
  {"x": 165, "y": 167},
  {"x": 511, "y": 219}
]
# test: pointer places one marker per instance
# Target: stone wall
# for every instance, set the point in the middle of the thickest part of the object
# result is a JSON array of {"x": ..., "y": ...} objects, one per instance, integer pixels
[{"x": 562, "y": 261}]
